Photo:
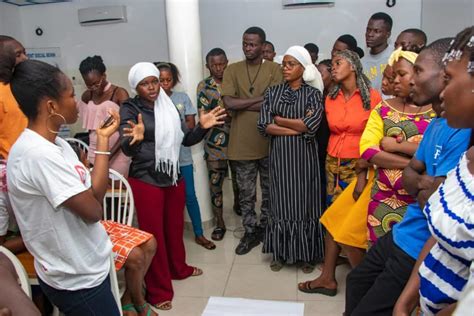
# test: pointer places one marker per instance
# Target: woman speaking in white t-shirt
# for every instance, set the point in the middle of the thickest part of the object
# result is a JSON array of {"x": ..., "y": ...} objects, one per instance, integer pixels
[{"x": 56, "y": 201}]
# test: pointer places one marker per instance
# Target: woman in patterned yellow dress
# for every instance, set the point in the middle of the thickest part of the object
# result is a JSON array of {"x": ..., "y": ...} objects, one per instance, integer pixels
[{"x": 394, "y": 130}]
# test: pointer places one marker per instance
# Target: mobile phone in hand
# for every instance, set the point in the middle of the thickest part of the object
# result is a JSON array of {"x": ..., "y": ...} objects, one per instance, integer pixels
[{"x": 108, "y": 122}]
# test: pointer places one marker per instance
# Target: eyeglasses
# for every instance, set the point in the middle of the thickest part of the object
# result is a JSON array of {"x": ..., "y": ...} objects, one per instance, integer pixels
[
  {"x": 289, "y": 64},
  {"x": 95, "y": 86}
]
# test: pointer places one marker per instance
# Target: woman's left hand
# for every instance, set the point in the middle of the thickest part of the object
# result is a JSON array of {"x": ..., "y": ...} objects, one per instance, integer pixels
[
  {"x": 389, "y": 144},
  {"x": 212, "y": 118},
  {"x": 277, "y": 119}
]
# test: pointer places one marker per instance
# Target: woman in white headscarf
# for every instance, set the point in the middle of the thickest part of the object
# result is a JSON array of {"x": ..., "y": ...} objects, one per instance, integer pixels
[
  {"x": 290, "y": 117},
  {"x": 152, "y": 133}
]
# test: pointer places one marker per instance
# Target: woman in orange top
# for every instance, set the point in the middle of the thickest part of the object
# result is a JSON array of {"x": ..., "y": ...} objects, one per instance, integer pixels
[{"x": 348, "y": 108}]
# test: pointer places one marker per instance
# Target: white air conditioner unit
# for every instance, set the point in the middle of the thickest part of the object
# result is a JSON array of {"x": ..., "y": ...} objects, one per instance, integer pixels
[
  {"x": 294, "y": 3},
  {"x": 102, "y": 15}
]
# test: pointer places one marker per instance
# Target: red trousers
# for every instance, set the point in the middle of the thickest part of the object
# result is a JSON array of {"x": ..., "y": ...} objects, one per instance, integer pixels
[{"x": 160, "y": 211}]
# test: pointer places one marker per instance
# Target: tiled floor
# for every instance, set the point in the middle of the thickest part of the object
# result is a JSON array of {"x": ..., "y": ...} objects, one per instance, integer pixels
[{"x": 248, "y": 276}]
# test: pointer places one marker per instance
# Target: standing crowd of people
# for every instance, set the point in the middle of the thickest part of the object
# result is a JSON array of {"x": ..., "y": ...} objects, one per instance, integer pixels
[{"x": 364, "y": 157}]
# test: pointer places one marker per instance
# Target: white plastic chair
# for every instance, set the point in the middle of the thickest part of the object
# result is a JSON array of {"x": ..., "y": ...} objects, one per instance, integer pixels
[
  {"x": 79, "y": 143},
  {"x": 119, "y": 205},
  {"x": 114, "y": 285},
  {"x": 20, "y": 271}
]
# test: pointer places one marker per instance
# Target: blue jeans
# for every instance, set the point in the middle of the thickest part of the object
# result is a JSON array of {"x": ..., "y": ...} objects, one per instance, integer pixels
[
  {"x": 97, "y": 301},
  {"x": 191, "y": 200}
]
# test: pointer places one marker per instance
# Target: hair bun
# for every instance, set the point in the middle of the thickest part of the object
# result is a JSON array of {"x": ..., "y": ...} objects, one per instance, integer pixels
[
  {"x": 98, "y": 58},
  {"x": 359, "y": 51}
]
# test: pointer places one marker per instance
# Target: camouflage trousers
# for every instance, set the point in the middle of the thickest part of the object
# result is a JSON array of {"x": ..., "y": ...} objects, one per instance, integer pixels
[
  {"x": 246, "y": 172},
  {"x": 217, "y": 171}
]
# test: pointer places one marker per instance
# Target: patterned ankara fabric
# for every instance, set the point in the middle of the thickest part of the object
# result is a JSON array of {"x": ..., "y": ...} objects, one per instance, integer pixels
[
  {"x": 124, "y": 238},
  {"x": 389, "y": 201}
]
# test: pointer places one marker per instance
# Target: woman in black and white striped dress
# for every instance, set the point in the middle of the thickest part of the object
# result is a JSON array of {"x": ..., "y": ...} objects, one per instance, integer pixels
[{"x": 290, "y": 116}]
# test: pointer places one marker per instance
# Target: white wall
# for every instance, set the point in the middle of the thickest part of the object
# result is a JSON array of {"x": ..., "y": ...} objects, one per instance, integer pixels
[
  {"x": 224, "y": 21},
  {"x": 443, "y": 18},
  {"x": 142, "y": 38},
  {"x": 10, "y": 23}
]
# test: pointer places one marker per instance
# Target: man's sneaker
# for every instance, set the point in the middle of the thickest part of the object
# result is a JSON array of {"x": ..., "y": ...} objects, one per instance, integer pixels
[
  {"x": 247, "y": 243},
  {"x": 260, "y": 233}
]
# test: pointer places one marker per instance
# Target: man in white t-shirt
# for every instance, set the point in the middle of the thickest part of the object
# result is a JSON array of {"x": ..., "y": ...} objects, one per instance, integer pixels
[{"x": 377, "y": 34}]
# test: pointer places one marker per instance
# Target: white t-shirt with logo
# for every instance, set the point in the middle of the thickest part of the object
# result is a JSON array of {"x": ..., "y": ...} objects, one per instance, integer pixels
[{"x": 69, "y": 253}]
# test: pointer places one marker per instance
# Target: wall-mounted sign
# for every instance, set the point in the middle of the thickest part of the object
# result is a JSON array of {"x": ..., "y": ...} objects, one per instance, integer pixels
[{"x": 50, "y": 55}]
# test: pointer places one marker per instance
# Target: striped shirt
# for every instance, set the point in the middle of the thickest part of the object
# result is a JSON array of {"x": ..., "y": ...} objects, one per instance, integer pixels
[{"x": 450, "y": 213}]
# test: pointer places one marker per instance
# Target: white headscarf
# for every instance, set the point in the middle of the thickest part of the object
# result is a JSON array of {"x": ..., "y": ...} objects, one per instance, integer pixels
[
  {"x": 168, "y": 133},
  {"x": 311, "y": 74}
]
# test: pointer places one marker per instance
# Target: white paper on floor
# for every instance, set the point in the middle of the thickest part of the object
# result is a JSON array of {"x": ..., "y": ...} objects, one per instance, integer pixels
[{"x": 227, "y": 306}]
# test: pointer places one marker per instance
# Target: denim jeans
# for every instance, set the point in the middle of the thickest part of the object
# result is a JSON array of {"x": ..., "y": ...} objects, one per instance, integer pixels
[
  {"x": 192, "y": 204},
  {"x": 96, "y": 301}
]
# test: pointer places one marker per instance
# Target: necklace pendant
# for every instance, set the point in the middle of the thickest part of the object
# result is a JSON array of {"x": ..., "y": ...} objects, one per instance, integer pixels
[{"x": 251, "y": 90}]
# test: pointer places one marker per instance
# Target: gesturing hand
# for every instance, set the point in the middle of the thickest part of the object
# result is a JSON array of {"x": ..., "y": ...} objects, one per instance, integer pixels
[
  {"x": 212, "y": 118},
  {"x": 136, "y": 130}
]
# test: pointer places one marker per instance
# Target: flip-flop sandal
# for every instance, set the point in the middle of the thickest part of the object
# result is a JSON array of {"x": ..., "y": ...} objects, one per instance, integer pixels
[
  {"x": 276, "y": 266},
  {"x": 142, "y": 308},
  {"x": 209, "y": 245},
  {"x": 218, "y": 233},
  {"x": 306, "y": 288},
  {"x": 129, "y": 308},
  {"x": 164, "y": 306},
  {"x": 196, "y": 272}
]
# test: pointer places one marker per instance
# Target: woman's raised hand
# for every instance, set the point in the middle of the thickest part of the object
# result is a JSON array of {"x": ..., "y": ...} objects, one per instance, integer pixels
[
  {"x": 136, "y": 130},
  {"x": 212, "y": 118},
  {"x": 110, "y": 125}
]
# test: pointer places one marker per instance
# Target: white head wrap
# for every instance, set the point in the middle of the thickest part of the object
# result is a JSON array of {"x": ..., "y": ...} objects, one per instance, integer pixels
[
  {"x": 311, "y": 74},
  {"x": 168, "y": 133}
]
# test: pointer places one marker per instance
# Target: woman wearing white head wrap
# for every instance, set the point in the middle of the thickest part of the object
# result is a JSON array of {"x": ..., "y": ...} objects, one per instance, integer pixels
[
  {"x": 290, "y": 117},
  {"x": 152, "y": 133},
  {"x": 311, "y": 74}
]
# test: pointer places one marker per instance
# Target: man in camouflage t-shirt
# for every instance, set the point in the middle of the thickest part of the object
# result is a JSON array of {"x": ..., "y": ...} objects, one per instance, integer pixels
[{"x": 217, "y": 138}]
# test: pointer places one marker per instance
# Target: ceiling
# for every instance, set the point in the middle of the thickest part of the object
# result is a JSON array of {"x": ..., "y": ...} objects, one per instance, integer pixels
[{"x": 31, "y": 2}]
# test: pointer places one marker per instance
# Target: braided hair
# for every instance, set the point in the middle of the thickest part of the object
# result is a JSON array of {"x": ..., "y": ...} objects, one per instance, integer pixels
[
  {"x": 463, "y": 42},
  {"x": 362, "y": 82},
  {"x": 94, "y": 63}
]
